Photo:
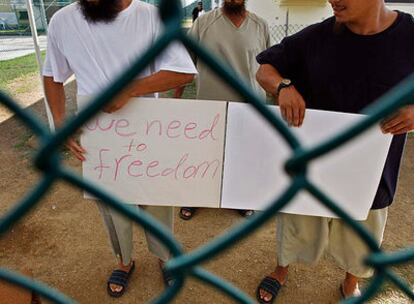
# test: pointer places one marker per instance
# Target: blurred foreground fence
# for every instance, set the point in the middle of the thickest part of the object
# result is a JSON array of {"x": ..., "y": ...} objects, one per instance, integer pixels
[{"x": 183, "y": 264}]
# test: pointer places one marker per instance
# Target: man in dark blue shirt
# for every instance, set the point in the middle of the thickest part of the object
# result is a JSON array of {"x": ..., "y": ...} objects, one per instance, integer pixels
[{"x": 342, "y": 64}]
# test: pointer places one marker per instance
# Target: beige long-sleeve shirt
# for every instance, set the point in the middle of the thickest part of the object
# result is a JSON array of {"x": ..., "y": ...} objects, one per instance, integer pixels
[{"x": 238, "y": 47}]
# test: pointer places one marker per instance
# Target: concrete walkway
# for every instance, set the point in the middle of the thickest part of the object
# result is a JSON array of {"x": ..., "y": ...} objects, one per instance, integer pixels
[{"x": 17, "y": 46}]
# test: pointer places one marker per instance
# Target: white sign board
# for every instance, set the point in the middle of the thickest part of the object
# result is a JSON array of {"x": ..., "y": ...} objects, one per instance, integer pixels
[
  {"x": 255, "y": 155},
  {"x": 171, "y": 152},
  {"x": 158, "y": 152}
]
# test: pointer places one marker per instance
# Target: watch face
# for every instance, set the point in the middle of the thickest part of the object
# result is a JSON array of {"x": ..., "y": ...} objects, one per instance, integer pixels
[
  {"x": 286, "y": 82},
  {"x": 283, "y": 84}
]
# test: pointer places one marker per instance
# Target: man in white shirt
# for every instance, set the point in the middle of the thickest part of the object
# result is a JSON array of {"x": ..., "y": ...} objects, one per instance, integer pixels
[{"x": 97, "y": 40}]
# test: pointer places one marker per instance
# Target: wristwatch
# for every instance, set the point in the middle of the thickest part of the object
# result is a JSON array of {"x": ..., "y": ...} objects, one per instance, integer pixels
[{"x": 284, "y": 83}]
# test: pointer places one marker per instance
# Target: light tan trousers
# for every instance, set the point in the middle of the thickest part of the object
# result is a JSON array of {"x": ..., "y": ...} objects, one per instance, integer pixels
[
  {"x": 303, "y": 238},
  {"x": 119, "y": 229}
]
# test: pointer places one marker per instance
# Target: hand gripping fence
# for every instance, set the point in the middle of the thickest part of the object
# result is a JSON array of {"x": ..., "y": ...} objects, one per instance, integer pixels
[{"x": 181, "y": 264}]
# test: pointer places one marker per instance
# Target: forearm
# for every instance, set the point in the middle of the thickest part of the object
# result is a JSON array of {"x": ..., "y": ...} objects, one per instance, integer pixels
[
  {"x": 55, "y": 95},
  {"x": 269, "y": 78},
  {"x": 159, "y": 82}
]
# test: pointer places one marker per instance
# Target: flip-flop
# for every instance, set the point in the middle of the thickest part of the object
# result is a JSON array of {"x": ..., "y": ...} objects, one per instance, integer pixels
[
  {"x": 341, "y": 291},
  {"x": 120, "y": 278},
  {"x": 190, "y": 210},
  {"x": 167, "y": 277},
  {"x": 270, "y": 285},
  {"x": 35, "y": 298}
]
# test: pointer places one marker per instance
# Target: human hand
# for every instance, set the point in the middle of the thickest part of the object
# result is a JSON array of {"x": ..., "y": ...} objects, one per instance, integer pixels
[
  {"x": 400, "y": 122},
  {"x": 76, "y": 149},
  {"x": 292, "y": 106},
  {"x": 178, "y": 92}
]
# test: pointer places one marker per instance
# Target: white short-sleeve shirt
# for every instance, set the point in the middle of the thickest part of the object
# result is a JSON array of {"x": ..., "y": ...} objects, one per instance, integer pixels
[{"x": 99, "y": 52}]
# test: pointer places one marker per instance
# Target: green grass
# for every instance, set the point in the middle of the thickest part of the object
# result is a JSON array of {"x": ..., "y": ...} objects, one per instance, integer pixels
[
  {"x": 15, "y": 32},
  {"x": 189, "y": 92},
  {"x": 18, "y": 67},
  {"x": 23, "y": 30},
  {"x": 22, "y": 141},
  {"x": 22, "y": 147}
]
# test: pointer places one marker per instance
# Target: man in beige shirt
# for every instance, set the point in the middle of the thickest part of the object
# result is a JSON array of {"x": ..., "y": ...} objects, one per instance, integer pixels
[{"x": 236, "y": 36}]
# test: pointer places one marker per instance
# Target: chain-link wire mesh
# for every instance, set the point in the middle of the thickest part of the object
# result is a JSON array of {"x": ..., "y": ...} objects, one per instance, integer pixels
[
  {"x": 280, "y": 31},
  {"x": 17, "y": 50},
  {"x": 183, "y": 264},
  {"x": 19, "y": 64}
]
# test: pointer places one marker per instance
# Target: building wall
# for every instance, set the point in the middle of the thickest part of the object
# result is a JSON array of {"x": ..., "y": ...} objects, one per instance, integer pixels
[
  {"x": 404, "y": 7},
  {"x": 274, "y": 11},
  {"x": 286, "y": 17}
]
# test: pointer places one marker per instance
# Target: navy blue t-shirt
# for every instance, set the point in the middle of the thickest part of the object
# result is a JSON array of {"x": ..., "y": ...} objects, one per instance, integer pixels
[{"x": 335, "y": 69}]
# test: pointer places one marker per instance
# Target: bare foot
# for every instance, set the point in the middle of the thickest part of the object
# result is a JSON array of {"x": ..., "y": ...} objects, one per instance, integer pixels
[
  {"x": 114, "y": 287},
  {"x": 280, "y": 274},
  {"x": 350, "y": 286},
  {"x": 186, "y": 213}
]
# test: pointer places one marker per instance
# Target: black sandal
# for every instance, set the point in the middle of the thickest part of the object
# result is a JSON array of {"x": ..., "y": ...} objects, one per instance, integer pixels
[
  {"x": 270, "y": 285},
  {"x": 341, "y": 291},
  {"x": 246, "y": 212},
  {"x": 35, "y": 298},
  {"x": 167, "y": 277},
  {"x": 190, "y": 210},
  {"x": 120, "y": 278}
]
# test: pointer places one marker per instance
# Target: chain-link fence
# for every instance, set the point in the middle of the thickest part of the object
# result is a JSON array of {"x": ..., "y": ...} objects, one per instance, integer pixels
[
  {"x": 184, "y": 264},
  {"x": 16, "y": 42},
  {"x": 280, "y": 31},
  {"x": 19, "y": 62},
  {"x": 17, "y": 50}
]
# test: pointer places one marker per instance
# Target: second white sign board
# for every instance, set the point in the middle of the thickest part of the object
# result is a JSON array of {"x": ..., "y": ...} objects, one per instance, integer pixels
[{"x": 256, "y": 153}]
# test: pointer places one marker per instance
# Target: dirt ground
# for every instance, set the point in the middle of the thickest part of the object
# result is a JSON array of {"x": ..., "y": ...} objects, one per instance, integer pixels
[{"x": 63, "y": 240}]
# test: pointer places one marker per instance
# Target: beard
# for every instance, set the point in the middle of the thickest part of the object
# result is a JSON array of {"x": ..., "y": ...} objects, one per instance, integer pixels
[
  {"x": 100, "y": 10},
  {"x": 232, "y": 8}
]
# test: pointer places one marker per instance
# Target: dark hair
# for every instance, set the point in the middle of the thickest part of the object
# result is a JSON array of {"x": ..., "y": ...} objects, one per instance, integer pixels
[{"x": 101, "y": 10}]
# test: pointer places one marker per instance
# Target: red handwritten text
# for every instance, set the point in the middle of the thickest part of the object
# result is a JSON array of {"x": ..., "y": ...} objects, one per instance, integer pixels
[
  {"x": 177, "y": 129},
  {"x": 130, "y": 166},
  {"x": 119, "y": 126}
]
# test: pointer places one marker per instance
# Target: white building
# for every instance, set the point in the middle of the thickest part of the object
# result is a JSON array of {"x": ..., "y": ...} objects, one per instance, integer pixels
[{"x": 286, "y": 17}]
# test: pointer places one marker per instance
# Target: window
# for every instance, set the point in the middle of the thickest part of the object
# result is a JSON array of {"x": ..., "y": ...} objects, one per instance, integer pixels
[{"x": 23, "y": 15}]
